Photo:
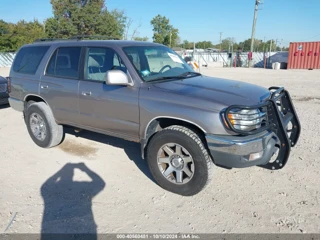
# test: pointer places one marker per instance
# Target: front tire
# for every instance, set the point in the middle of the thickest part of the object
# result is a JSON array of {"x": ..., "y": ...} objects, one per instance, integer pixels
[
  {"x": 179, "y": 161},
  {"x": 42, "y": 127}
]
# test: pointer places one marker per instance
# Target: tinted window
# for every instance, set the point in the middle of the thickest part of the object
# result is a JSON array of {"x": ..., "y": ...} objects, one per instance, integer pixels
[
  {"x": 52, "y": 64},
  {"x": 65, "y": 62},
  {"x": 101, "y": 60},
  {"x": 28, "y": 59}
]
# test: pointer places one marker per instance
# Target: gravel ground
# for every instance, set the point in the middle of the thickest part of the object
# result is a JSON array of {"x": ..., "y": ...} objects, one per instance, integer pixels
[
  {"x": 51, "y": 189},
  {"x": 4, "y": 72}
]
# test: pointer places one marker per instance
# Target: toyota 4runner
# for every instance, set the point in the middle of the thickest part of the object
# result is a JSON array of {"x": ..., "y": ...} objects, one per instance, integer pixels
[{"x": 145, "y": 92}]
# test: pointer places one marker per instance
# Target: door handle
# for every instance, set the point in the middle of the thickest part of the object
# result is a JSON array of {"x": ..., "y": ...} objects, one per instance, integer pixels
[
  {"x": 44, "y": 86},
  {"x": 86, "y": 93}
]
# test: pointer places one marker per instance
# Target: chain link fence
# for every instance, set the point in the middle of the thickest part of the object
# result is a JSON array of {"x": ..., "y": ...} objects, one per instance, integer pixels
[
  {"x": 6, "y": 59},
  {"x": 240, "y": 59}
]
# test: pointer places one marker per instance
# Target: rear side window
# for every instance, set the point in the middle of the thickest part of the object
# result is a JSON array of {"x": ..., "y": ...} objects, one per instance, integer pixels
[
  {"x": 28, "y": 59},
  {"x": 65, "y": 63}
]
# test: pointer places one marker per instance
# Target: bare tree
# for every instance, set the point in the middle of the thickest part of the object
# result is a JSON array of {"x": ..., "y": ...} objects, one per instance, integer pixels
[
  {"x": 135, "y": 31},
  {"x": 128, "y": 25}
]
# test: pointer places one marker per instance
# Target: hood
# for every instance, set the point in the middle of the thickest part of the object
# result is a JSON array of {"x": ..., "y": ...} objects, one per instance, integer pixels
[{"x": 216, "y": 90}]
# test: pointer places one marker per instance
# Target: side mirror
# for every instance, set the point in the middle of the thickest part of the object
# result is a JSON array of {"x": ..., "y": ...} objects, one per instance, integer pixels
[{"x": 118, "y": 77}]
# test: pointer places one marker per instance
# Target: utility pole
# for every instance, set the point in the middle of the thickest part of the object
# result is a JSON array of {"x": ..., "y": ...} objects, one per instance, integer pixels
[
  {"x": 220, "y": 40},
  {"x": 255, "y": 16},
  {"x": 270, "y": 53},
  {"x": 170, "y": 38}
]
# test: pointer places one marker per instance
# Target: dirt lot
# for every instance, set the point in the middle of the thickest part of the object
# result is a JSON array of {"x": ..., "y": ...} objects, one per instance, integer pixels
[
  {"x": 4, "y": 72},
  {"x": 39, "y": 186}
]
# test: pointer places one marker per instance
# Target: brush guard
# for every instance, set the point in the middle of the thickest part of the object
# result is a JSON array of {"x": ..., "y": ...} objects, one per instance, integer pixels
[{"x": 281, "y": 119}]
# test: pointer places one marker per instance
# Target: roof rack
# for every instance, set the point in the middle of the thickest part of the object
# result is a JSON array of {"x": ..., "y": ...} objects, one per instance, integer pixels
[
  {"x": 81, "y": 37},
  {"x": 76, "y": 37},
  {"x": 47, "y": 40}
]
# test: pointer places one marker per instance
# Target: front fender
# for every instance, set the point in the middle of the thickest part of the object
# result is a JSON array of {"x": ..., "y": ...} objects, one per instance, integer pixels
[{"x": 154, "y": 105}]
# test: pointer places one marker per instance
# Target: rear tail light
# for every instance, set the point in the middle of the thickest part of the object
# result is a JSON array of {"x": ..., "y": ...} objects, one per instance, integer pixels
[{"x": 9, "y": 84}]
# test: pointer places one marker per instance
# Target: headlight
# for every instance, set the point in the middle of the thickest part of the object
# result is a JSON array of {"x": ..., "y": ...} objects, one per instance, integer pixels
[{"x": 246, "y": 119}]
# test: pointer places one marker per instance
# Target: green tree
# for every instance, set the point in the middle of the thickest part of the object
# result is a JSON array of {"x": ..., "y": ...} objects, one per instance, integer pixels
[
  {"x": 163, "y": 31},
  {"x": 121, "y": 20},
  {"x": 144, "y": 39},
  {"x": 245, "y": 45},
  {"x": 186, "y": 44},
  {"x": 259, "y": 45},
  {"x": 5, "y": 36},
  {"x": 4, "y": 27},
  {"x": 83, "y": 17},
  {"x": 13, "y": 36},
  {"x": 59, "y": 28},
  {"x": 228, "y": 44},
  {"x": 204, "y": 44}
]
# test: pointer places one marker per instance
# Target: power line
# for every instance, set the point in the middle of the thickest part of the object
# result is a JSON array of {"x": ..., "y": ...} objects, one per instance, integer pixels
[{"x": 312, "y": 37}]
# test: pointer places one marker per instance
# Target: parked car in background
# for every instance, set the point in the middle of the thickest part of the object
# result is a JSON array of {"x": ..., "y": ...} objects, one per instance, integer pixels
[
  {"x": 145, "y": 92},
  {"x": 3, "y": 91}
]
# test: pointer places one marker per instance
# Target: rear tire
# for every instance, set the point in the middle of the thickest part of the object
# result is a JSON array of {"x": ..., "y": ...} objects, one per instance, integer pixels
[
  {"x": 178, "y": 149},
  {"x": 42, "y": 127}
]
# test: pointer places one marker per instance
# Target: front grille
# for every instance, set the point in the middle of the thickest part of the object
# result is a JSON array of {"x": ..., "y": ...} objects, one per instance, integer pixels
[{"x": 3, "y": 87}]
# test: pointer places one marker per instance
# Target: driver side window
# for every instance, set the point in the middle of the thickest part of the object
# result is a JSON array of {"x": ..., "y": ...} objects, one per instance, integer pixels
[{"x": 99, "y": 61}]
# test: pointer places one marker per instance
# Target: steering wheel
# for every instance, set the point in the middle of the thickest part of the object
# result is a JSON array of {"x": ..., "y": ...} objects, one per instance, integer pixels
[{"x": 164, "y": 67}]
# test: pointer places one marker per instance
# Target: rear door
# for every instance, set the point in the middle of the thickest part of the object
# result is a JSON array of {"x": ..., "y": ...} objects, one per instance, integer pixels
[
  {"x": 60, "y": 83},
  {"x": 110, "y": 109}
]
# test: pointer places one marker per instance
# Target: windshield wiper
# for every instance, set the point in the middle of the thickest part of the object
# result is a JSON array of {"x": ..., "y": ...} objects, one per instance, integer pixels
[
  {"x": 190, "y": 74},
  {"x": 166, "y": 78},
  {"x": 182, "y": 76}
]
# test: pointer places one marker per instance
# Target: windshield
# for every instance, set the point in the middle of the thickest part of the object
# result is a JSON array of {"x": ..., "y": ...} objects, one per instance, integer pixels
[{"x": 157, "y": 62}]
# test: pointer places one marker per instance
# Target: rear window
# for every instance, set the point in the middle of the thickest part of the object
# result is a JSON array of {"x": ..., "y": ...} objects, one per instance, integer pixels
[{"x": 28, "y": 59}]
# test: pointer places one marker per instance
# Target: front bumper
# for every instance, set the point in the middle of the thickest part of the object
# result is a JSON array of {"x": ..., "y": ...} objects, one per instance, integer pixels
[
  {"x": 235, "y": 151},
  {"x": 276, "y": 136}
]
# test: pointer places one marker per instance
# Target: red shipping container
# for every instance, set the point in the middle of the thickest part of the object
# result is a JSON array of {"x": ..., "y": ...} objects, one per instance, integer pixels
[{"x": 304, "y": 55}]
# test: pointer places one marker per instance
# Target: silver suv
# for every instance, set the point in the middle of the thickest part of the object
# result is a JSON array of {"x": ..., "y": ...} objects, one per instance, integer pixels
[{"x": 144, "y": 92}]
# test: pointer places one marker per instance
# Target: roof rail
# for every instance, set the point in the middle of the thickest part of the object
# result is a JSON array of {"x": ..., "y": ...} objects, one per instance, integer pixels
[
  {"x": 47, "y": 40},
  {"x": 81, "y": 37}
]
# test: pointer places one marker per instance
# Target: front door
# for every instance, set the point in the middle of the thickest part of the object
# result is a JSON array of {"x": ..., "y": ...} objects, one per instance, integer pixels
[
  {"x": 105, "y": 108},
  {"x": 59, "y": 86}
]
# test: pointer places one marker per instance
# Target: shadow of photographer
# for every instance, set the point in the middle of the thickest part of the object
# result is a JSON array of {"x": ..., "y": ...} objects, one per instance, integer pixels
[{"x": 68, "y": 203}]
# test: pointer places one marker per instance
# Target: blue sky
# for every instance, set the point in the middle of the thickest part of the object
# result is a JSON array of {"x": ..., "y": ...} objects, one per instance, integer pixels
[{"x": 290, "y": 20}]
